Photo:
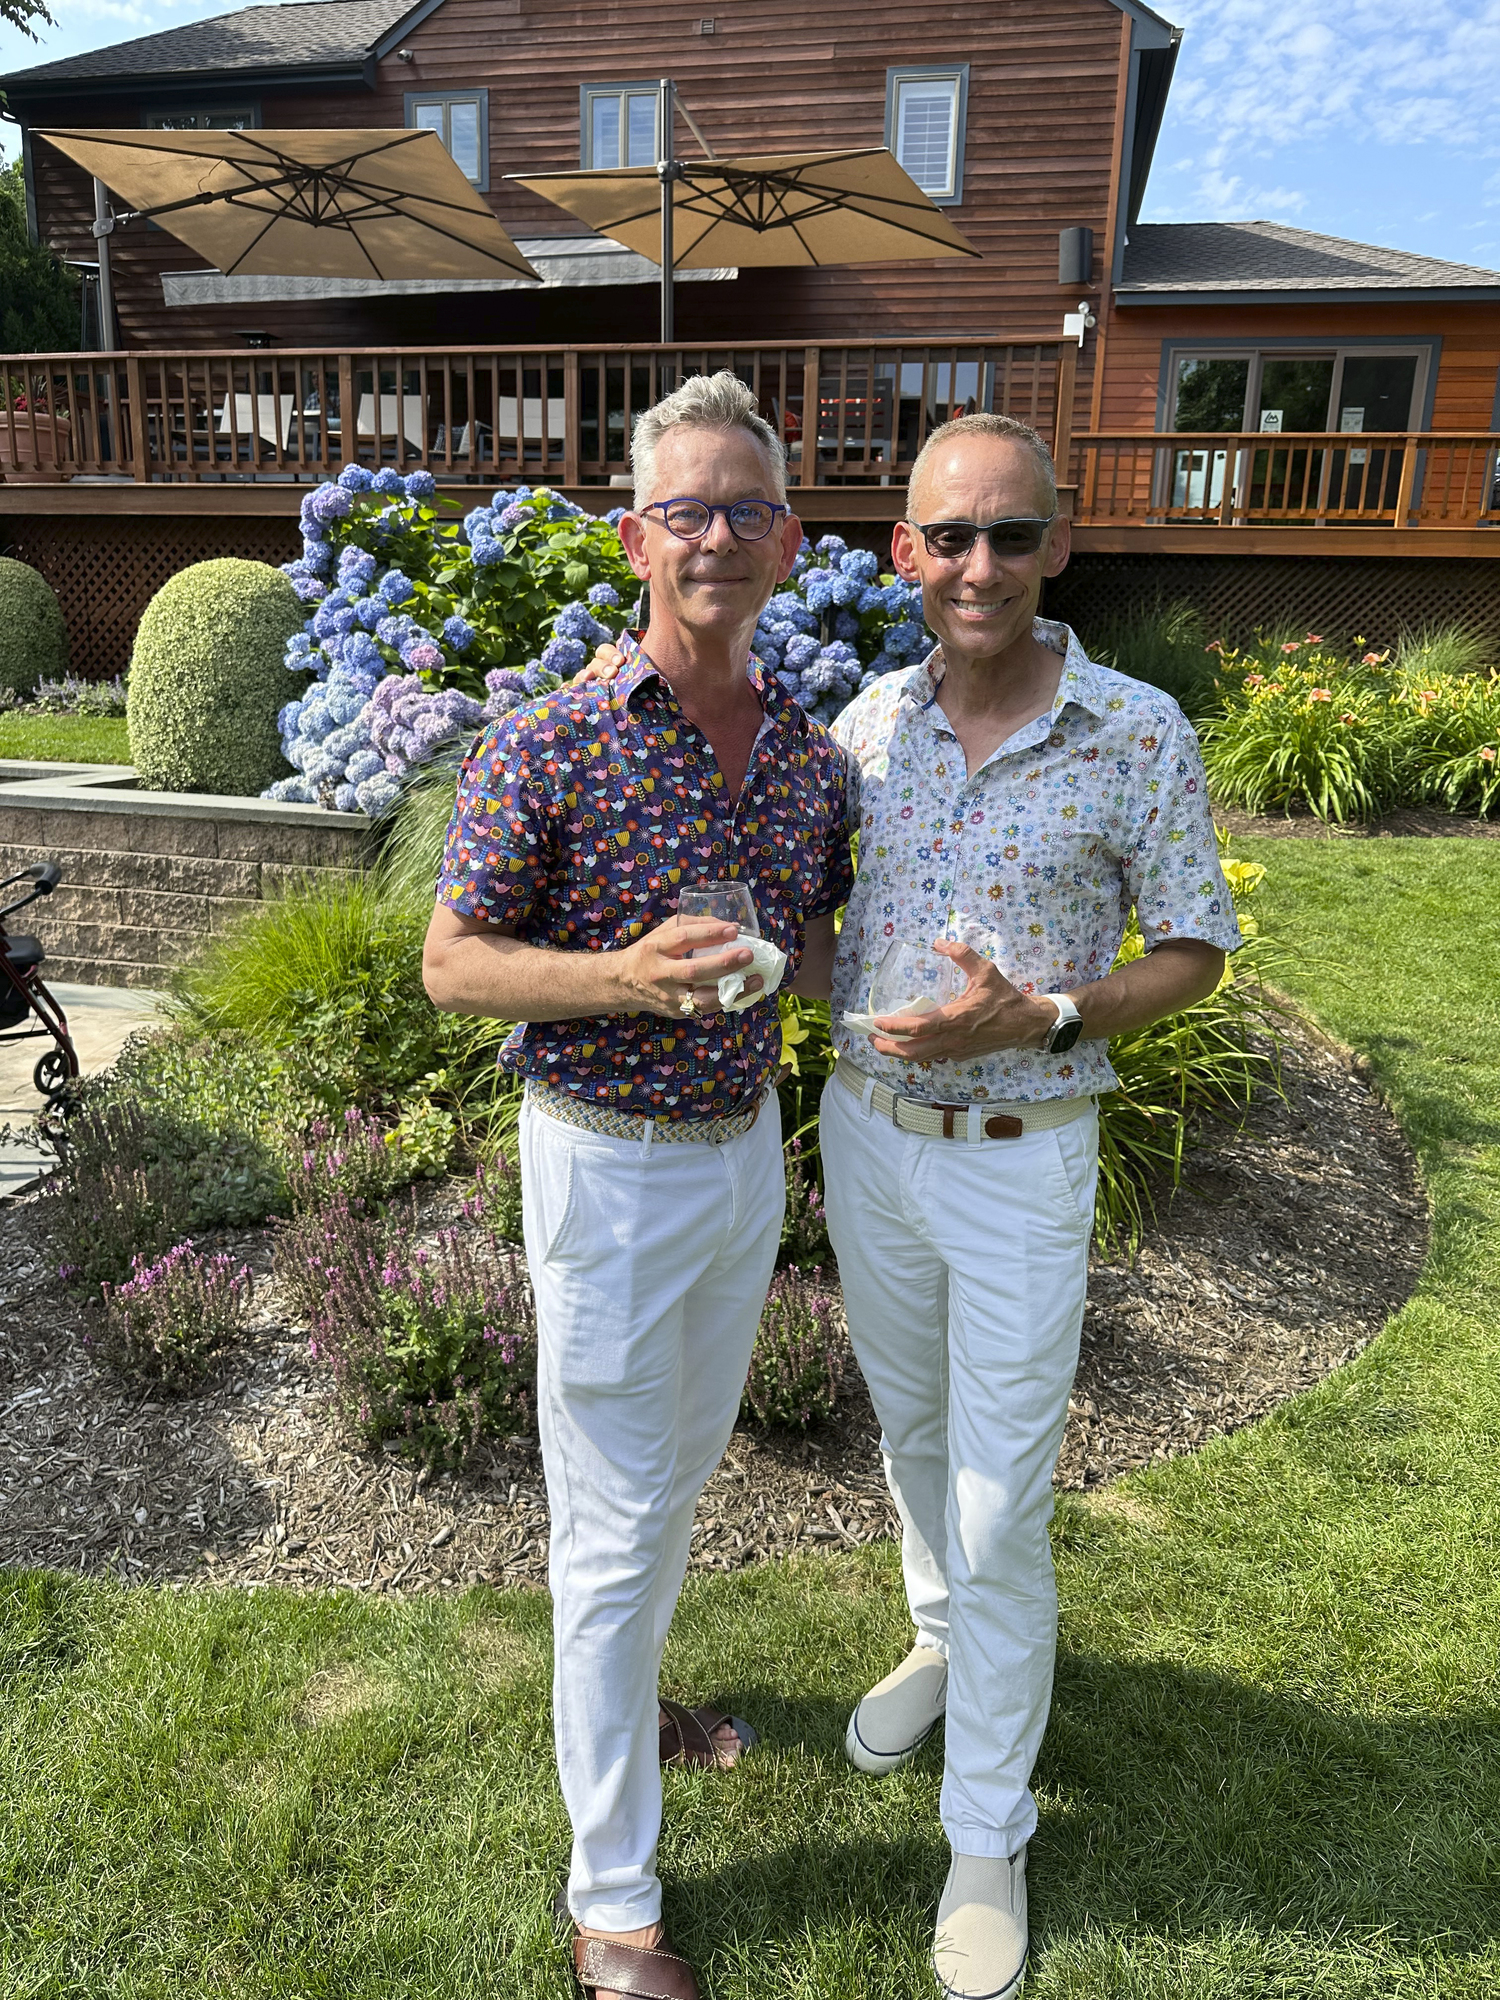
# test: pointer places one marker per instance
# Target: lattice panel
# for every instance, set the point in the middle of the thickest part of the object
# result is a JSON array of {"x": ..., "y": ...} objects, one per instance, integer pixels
[
  {"x": 106, "y": 570},
  {"x": 1377, "y": 596}
]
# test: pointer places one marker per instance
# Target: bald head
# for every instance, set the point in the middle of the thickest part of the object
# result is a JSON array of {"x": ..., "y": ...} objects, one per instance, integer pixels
[{"x": 968, "y": 443}]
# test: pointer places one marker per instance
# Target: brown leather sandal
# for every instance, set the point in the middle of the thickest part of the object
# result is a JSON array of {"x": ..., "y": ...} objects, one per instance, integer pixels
[
  {"x": 640, "y": 1972},
  {"x": 687, "y": 1736}
]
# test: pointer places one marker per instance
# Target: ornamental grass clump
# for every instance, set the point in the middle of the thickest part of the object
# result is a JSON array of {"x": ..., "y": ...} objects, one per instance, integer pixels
[
  {"x": 174, "y": 1316},
  {"x": 800, "y": 1354},
  {"x": 430, "y": 1348}
]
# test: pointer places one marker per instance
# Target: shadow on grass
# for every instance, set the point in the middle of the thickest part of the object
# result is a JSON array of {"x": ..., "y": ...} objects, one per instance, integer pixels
[{"x": 1173, "y": 1804}]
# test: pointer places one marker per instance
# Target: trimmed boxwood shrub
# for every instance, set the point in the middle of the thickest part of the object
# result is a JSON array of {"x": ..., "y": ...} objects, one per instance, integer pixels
[
  {"x": 33, "y": 637},
  {"x": 208, "y": 676}
]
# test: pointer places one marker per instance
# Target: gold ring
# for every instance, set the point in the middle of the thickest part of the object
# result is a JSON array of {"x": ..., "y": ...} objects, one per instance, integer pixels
[{"x": 688, "y": 1004}]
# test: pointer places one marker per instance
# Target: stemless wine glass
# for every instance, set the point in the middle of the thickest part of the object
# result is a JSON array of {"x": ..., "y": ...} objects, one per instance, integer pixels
[
  {"x": 730, "y": 902},
  {"x": 913, "y": 979}
]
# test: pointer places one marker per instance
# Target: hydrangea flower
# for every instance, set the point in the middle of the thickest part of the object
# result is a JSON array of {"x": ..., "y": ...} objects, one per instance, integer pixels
[
  {"x": 355, "y": 479},
  {"x": 458, "y": 633},
  {"x": 327, "y": 504},
  {"x": 420, "y": 486},
  {"x": 513, "y": 517},
  {"x": 563, "y": 657},
  {"x": 422, "y": 656},
  {"x": 396, "y": 588},
  {"x": 604, "y": 594},
  {"x": 388, "y": 480}
]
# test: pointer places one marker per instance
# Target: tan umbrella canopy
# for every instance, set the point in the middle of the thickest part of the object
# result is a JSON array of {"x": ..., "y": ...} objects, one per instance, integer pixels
[
  {"x": 856, "y": 207},
  {"x": 343, "y": 204}
]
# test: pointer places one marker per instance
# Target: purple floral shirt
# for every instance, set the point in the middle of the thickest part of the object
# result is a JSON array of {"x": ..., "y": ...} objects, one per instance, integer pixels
[{"x": 579, "y": 817}]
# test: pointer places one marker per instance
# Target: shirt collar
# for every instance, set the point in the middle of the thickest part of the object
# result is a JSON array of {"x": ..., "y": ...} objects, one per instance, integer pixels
[
  {"x": 640, "y": 668},
  {"x": 1080, "y": 684}
]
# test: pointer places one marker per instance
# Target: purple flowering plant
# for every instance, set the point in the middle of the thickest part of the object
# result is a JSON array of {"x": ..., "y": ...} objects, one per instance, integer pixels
[
  {"x": 430, "y": 1341},
  {"x": 173, "y": 1315},
  {"x": 801, "y": 1351}
]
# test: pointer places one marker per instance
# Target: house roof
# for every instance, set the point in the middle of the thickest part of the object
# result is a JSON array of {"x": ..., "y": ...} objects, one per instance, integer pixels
[
  {"x": 1186, "y": 263},
  {"x": 316, "y": 35}
]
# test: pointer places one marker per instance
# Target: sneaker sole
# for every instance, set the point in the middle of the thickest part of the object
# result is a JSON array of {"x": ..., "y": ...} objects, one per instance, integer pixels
[
  {"x": 1012, "y": 1985},
  {"x": 880, "y": 1763}
]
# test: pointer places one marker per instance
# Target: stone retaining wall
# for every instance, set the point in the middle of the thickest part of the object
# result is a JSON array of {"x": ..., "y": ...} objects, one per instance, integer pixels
[{"x": 147, "y": 876}]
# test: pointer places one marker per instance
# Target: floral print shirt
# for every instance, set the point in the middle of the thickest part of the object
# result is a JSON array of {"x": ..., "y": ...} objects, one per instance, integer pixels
[
  {"x": 578, "y": 818},
  {"x": 1034, "y": 860}
]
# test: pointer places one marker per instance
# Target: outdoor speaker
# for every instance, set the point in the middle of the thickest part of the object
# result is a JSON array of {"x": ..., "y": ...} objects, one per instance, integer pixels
[{"x": 1075, "y": 256}]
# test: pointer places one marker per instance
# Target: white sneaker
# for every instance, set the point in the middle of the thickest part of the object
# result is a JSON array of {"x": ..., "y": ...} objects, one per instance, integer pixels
[
  {"x": 896, "y": 1718},
  {"x": 979, "y": 1952}
]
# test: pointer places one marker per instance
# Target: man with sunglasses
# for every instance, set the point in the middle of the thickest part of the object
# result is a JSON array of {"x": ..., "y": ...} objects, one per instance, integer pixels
[
  {"x": 1015, "y": 799},
  {"x": 650, "y": 1137}
]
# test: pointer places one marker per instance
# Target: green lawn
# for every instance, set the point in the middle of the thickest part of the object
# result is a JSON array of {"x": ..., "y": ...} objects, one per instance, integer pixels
[
  {"x": 1273, "y": 1771},
  {"x": 65, "y": 739}
]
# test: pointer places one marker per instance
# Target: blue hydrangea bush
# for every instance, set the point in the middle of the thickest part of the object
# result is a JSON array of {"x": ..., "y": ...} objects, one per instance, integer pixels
[
  {"x": 421, "y": 629},
  {"x": 838, "y": 624}
]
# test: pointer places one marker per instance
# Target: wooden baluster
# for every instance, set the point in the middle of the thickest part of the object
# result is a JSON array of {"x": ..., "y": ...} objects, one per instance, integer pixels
[
  {"x": 1408, "y": 481},
  {"x": 572, "y": 416},
  {"x": 811, "y": 370},
  {"x": 135, "y": 394}
]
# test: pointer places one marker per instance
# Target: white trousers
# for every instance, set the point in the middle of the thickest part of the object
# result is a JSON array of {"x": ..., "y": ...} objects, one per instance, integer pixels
[
  {"x": 650, "y": 1265},
  {"x": 964, "y": 1269}
]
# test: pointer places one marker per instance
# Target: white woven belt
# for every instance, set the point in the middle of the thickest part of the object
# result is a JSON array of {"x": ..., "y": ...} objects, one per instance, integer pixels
[
  {"x": 634, "y": 1125},
  {"x": 974, "y": 1122}
]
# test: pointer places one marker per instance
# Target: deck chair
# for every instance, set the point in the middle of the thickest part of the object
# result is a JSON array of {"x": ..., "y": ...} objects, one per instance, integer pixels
[
  {"x": 268, "y": 414},
  {"x": 413, "y": 419},
  {"x": 531, "y": 417}
]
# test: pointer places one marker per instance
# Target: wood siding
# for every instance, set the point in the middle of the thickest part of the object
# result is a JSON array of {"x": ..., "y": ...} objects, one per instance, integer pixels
[
  {"x": 1042, "y": 110},
  {"x": 1467, "y": 371}
]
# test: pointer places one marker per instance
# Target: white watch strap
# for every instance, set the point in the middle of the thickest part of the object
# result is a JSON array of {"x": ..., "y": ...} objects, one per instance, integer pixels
[{"x": 1066, "y": 1011}]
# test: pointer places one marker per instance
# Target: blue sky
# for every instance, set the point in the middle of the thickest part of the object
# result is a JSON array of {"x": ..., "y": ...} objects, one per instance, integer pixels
[{"x": 1374, "y": 119}]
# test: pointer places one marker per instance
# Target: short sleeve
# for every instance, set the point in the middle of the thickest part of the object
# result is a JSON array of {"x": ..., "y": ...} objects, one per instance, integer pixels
[
  {"x": 838, "y": 867},
  {"x": 1172, "y": 872},
  {"x": 494, "y": 855}
]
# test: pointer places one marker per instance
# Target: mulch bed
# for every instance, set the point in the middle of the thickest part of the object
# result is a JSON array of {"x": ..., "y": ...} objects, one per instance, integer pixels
[
  {"x": 1290, "y": 1246},
  {"x": 1408, "y": 823}
]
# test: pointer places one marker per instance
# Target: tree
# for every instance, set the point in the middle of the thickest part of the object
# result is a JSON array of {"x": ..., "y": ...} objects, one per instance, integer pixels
[
  {"x": 21, "y": 13},
  {"x": 38, "y": 293}
]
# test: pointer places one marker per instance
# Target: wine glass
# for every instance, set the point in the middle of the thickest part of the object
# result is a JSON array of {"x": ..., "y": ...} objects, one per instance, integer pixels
[
  {"x": 729, "y": 902},
  {"x": 913, "y": 979}
]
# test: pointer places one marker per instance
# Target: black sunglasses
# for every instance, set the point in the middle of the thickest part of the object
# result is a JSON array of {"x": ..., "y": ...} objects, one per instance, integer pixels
[
  {"x": 690, "y": 520},
  {"x": 1022, "y": 535}
]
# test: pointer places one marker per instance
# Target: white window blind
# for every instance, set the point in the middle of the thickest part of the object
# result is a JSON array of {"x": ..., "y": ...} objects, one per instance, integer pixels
[
  {"x": 926, "y": 127},
  {"x": 459, "y": 123},
  {"x": 619, "y": 127}
]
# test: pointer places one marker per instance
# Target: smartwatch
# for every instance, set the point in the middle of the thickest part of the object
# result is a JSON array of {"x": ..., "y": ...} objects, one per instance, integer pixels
[{"x": 1066, "y": 1029}]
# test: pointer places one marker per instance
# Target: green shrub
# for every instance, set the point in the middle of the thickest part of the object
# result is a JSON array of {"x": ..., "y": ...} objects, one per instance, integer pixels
[
  {"x": 208, "y": 678},
  {"x": 33, "y": 637},
  {"x": 1304, "y": 726},
  {"x": 189, "y": 1132},
  {"x": 330, "y": 975}
]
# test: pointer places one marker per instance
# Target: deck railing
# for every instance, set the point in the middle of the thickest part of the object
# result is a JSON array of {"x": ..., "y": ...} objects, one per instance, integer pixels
[
  {"x": 848, "y": 413},
  {"x": 1414, "y": 479}
]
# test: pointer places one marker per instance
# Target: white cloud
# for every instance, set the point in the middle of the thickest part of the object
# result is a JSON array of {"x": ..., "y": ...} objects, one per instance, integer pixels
[{"x": 1266, "y": 74}]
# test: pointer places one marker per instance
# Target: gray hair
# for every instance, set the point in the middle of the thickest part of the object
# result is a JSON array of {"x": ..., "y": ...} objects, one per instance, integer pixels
[
  {"x": 985, "y": 423},
  {"x": 719, "y": 402}
]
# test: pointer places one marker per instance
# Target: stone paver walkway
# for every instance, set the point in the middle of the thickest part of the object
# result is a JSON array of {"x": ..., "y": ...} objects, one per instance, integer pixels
[{"x": 100, "y": 1018}]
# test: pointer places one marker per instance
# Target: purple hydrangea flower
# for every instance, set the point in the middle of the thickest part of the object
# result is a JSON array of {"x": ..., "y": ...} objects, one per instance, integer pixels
[
  {"x": 423, "y": 656},
  {"x": 388, "y": 480},
  {"x": 500, "y": 680},
  {"x": 514, "y": 516},
  {"x": 563, "y": 657},
  {"x": 605, "y": 594},
  {"x": 328, "y": 504},
  {"x": 356, "y": 568}
]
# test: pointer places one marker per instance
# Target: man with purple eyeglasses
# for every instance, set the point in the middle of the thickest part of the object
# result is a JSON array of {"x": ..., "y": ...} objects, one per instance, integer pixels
[{"x": 651, "y": 1155}]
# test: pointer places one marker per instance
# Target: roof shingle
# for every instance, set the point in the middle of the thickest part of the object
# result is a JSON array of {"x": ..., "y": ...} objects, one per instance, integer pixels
[
  {"x": 304, "y": 35},
  {"x": 1233, "y": 258}
]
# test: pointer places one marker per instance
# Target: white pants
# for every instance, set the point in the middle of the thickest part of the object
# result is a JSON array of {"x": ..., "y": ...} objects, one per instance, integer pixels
[
  {"x": 650, "y": 1265},
  {"x": 964, "y": 1269}
]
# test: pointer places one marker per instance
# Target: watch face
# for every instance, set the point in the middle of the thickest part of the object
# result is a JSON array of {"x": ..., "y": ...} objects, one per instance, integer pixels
[{"x": 1067, "y": 1034}]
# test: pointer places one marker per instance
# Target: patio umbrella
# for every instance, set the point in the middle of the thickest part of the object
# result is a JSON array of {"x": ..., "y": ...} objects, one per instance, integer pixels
[
  {"x": 344, "y": 204},
  {"x": 855, "y": 207}
]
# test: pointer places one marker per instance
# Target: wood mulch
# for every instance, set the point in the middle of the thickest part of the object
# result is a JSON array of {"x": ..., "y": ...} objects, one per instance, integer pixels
[
  {"x": 1291, "y": 1245},
  {"x": 1408, "y": 823}
]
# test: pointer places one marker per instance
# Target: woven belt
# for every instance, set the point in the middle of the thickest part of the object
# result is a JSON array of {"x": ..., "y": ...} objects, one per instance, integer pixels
[
  {"x": 958, "y": 1121},
  {"x": 570, "y": 1110}
]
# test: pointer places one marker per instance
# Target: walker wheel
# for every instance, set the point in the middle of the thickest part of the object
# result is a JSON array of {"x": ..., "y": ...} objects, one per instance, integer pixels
[{"x": 51, "y": 1073}]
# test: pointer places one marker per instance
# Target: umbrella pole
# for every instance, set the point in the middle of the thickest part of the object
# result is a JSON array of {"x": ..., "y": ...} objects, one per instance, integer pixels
[
  {"x": 666, "y": 173},
  {"x": 104, "y": 223}
]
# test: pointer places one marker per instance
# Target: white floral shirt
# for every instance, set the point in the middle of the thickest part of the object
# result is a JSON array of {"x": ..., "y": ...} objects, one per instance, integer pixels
[{"x": 1034, "y": 860}]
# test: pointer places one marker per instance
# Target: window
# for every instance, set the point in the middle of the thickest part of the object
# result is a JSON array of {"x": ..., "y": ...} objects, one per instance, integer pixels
[
  {"x": 924, "y": 127},
  {"x": 618, "y": 125},
  {"x": 461, "y": 120},
  {"x": 1339, "y": 389},
  {"x": 241, "y": 118}
]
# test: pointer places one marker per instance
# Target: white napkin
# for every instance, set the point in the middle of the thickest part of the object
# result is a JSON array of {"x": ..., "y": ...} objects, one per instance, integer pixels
[
  {"x": 864, "y": 1024},
  {"x": 768, "y": 959}
]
